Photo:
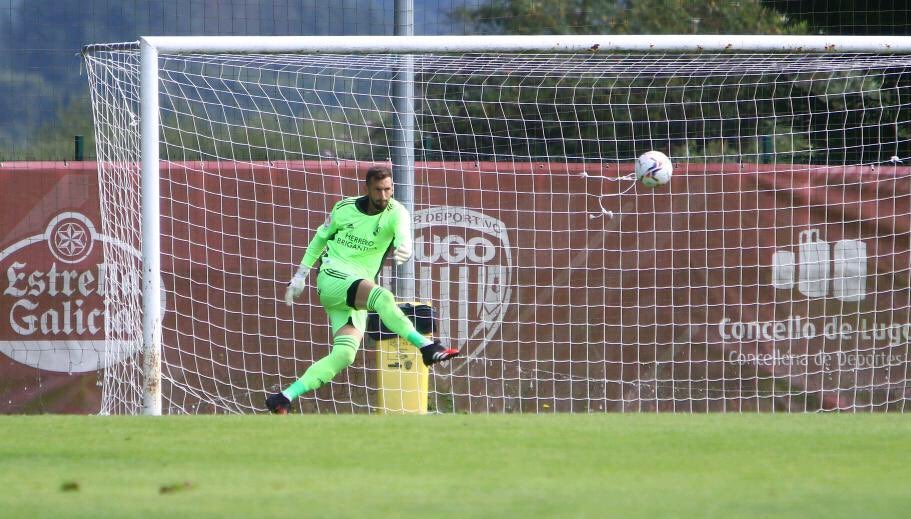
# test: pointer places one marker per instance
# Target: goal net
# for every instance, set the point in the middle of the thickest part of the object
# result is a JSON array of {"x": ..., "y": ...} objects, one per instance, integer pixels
[{"x": 771, "y": 273}]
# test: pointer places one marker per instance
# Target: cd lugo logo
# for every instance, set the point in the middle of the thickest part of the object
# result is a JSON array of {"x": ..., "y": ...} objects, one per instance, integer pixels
[{"x": 467, "y": 256}]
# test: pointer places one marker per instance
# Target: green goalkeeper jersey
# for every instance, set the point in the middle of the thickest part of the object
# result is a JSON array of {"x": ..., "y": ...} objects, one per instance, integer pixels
[{"x": 355, "y": 242}]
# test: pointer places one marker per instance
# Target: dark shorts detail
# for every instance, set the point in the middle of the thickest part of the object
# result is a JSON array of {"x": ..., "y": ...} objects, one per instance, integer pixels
[{"x": 352, "y": 293}]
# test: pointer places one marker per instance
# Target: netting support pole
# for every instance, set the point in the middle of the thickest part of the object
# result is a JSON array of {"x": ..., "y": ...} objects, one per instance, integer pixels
[
  {"x": 402, "y": 153},
  {"x": 151, "y": 267}
]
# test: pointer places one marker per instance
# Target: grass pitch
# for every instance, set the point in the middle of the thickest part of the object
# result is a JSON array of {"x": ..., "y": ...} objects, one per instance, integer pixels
[{"x": 456, "y": 466}]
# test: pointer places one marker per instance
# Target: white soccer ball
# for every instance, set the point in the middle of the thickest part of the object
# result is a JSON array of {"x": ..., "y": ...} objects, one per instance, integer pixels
[{"x": 654, "y": 169}]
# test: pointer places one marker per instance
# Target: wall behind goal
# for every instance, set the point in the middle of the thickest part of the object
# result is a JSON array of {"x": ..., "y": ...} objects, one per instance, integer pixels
[{"x": 717, "y": 293}]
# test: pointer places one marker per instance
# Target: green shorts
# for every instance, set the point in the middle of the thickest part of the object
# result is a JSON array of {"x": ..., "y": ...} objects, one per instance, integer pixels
[{"x": 332, "y": 287}]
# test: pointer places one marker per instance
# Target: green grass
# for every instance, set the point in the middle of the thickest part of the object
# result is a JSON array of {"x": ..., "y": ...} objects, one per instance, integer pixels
[{"x": 456, "y": 466}]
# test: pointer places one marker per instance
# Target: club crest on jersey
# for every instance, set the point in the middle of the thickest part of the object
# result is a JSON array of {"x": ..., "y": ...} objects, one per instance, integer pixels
[{"x": 464, "y": 264}]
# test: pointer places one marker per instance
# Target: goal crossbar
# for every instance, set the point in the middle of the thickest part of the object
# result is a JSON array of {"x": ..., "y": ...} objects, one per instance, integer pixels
[{"x": 519, "y": 43}]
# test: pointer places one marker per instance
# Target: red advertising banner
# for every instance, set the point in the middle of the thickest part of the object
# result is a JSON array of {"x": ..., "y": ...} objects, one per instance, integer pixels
[
  {"x": 736, "y": 287},
  {"x": 734, "y": 284},
  {"x": 52, "y": 297}
]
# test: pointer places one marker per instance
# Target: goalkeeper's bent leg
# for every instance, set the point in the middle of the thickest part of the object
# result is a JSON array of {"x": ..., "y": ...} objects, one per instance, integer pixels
[
  {"x": 344, "y": 348},
  {"x": 383, "y": 303}
]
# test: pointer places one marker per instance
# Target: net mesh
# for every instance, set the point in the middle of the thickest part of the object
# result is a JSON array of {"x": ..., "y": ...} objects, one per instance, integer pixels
[{"x": 770, "y": 274}]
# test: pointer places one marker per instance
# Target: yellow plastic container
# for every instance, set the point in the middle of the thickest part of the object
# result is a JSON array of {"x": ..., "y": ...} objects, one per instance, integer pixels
[{"x": 402, "y": 377}]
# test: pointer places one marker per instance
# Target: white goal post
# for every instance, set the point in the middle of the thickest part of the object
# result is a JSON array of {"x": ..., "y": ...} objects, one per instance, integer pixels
[{"x": 767, "y": 276}]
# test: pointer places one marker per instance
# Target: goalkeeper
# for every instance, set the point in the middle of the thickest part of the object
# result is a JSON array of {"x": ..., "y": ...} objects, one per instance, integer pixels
[{"x": 356, "y": 237}]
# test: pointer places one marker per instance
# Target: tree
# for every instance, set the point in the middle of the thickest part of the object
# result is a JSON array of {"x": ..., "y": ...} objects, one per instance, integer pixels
[
  {"x": 21, "y": 110},
  {"x": 627, "y": 17},
  {"x": 54, "y": 139},
  {"x": 870, "y": 17},
  {"x": 826, "y": 117},
  {"x": 40, "y": 40}
]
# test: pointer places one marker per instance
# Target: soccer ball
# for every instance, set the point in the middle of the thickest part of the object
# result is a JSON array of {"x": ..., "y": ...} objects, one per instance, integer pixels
[{"x": 653, "y": 169}]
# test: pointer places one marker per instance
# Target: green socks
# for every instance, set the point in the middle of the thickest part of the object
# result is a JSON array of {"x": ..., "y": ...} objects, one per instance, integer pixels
[
  {"x": 344, "y": 348},
  {"x": 382, "y": 302}
]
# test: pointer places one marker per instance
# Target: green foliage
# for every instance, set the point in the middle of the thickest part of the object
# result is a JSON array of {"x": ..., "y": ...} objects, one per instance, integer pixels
[
  {"x": 708, "y": 17},
  {"x": 871, "y": 17},
  {"x": 53, "y": 140},
  {"x": 573, "y": 108},
  {"x": 630, "y": 17},
  {"x": 21, "y": 89},
  {"x": 832, "y": 118},
  {"x": 578, "y": 111},
  {"x": 270, "y": 136},
  {"x": 40, "y": 40}
]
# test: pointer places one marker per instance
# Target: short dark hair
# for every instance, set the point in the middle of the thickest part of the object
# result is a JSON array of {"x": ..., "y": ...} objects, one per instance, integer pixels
[{"x": 378, "y": 173}]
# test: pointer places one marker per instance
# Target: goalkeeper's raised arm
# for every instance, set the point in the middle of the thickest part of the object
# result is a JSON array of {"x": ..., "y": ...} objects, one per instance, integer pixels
[{"x": 352, "y": 245}]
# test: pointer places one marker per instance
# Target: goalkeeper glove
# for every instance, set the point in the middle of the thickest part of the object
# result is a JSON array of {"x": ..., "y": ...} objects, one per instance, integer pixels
[
  {"x": 401, "y": 254},
  {"x": 296, "y": 285}
]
